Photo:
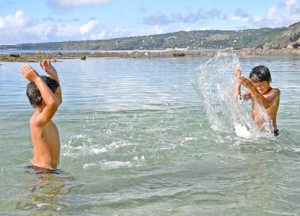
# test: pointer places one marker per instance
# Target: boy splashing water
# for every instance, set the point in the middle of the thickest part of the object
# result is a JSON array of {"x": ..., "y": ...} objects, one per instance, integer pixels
[
  {"x": 261, "y": 94},
  {"x": 45, "y": 96}
]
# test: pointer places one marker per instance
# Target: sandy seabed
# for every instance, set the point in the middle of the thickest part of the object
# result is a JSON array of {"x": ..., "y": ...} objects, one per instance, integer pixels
[{"x": 58, "y": 56}]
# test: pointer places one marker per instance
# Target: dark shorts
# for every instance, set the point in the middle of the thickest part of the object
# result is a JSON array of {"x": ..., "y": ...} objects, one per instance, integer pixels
[
  {"x": 39, "y": 170},
  {"x": 276, "y": 132}
]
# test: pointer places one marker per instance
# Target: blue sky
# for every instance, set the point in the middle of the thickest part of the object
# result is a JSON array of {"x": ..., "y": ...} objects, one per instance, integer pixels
[{"x": 33, "y": 21}]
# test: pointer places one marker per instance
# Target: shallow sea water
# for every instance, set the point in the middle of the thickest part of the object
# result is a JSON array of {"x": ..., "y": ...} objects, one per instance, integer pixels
[{"x": 143, "y": 137}]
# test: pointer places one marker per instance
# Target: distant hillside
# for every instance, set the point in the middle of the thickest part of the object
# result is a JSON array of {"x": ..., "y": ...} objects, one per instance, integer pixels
[{"x": 265, "y": 38}]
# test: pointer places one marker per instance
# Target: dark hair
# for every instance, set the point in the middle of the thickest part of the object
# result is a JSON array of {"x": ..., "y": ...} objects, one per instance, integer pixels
[
  {"x": 260, "y": 73},
  {"x": 33, "y": 93}
]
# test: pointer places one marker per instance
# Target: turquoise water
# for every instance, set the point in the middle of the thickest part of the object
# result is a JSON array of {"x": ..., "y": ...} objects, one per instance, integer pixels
[{"x": 150, "y": 137}]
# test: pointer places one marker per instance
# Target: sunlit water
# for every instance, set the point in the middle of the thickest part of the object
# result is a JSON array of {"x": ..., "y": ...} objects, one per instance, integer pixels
[{"x": 153, "y": 137}]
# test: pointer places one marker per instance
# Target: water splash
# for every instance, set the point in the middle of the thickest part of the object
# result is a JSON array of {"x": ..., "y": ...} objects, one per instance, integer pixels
[{"x": 214, "y": 82}]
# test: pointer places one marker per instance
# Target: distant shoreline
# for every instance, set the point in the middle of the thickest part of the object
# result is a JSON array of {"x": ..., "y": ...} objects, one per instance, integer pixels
[{"x": 59, "y": 56}]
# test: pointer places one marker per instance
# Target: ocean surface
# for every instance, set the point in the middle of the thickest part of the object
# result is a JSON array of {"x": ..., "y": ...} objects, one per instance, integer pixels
[{"x": 154, "y": 136}]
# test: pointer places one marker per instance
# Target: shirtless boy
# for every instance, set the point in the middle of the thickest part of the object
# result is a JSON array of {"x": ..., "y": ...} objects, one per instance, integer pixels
[
  {"x": 261, "y": 94},
  {"x": 45, "y": 96}
]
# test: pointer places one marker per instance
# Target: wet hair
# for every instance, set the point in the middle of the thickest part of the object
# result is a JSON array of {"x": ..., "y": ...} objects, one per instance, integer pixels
[
  {"x": 260, "y": 73},
  {"x": 33, "y": 93}
]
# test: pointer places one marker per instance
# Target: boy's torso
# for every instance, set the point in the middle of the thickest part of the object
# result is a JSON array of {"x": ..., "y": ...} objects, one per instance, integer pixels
[
  {"x": 271, "y": 110},
  {"x": 46, "y": 145}
]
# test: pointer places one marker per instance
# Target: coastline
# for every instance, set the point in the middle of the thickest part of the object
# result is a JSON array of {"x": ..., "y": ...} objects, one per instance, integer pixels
[{"x": 59, "y": 56}]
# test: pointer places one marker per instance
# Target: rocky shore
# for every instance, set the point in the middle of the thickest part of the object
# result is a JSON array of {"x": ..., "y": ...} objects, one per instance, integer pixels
[{"x": 59, "y": 56}]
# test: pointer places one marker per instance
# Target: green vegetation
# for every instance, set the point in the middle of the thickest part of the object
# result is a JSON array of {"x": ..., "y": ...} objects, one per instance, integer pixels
[{"x": 265, "y": 38}]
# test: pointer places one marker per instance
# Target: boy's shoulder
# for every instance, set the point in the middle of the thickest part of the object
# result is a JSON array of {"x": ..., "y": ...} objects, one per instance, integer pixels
[
  {"x": 32, "y": 121},
  {"x": 275, "y": 91},
  {"x": 37, "y": 121},
  {"x": 273, "y": 95}
]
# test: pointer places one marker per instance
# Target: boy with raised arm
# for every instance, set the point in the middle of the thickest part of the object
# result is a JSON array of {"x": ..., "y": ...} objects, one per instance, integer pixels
[
  {"x": 44, "y": 94},
  {"x": 261, "y": 94}
]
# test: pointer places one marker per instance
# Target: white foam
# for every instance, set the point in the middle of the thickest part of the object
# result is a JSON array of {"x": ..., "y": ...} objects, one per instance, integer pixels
[
  {"x": 85, "y": 166},
  {"x": 242, "y": 131},
  {"x": 107, "y": 165},
  {"x": 296, "y": 149},
  {"x": 115, "y": 164}
]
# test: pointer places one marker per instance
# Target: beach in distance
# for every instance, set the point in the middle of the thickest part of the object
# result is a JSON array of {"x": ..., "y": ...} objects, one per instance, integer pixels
[{"x": 35, "y": 56}]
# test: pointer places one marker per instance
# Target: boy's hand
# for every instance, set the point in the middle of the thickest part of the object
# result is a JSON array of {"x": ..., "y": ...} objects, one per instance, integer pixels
[
  {"x": 238, "y": 71},
  {"x": 29, "y": 73},
  {"x": 48, "y": 68},
  {"x": 247, "y": 83}
]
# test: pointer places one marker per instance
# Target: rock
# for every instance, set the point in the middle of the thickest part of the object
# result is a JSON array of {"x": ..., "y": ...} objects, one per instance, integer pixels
[
  {"x": 294, "y": 37},
  {"x": 296, "y": 45},
  {"x": 14, "y": 55},
  {"x": 178, "y": 54}
]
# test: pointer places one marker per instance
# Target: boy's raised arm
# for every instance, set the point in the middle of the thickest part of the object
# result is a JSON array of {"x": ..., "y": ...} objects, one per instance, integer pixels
[
  {"x": 51, "y": 71},
  {"x": 48, "y": 97},
  {"x": 265, "y": 102},
  {"x": 237, "y": 90}
]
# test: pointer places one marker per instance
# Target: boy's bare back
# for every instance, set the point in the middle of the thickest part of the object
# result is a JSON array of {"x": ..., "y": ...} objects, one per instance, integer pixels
[
  {"x": 45, "y": 141},
  {"x": 44, "y": 133}
]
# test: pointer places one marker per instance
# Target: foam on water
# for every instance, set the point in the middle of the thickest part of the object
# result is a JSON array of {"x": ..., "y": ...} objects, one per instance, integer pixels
[
  {"x": 214, "y": 82},
  {"x": 104, "y": 155},
  {"x": 108, "y": 165},
  {"x": 241, "y": 131}
]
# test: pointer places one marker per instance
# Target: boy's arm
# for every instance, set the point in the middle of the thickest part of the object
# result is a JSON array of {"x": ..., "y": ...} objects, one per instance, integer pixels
[
  {"x": 266, "y": 102},
  {"x": 51, "y": 71},
  {"x": 48, "y": 97},
  {"x": 237, "y": 90}
]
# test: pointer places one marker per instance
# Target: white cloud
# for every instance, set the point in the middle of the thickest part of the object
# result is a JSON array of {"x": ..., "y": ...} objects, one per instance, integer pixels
[
  {"x": 17, "y": 28},
  {"x": 159, "y": 29},
  {"x": 69, "y": 4},
  {"x": 160, "y": 18},
  {"x": 100, "y": 35},
  {"x": 88, "y": 27},
  {"x": 291, "y": 5},
  {"x": 46, "y": 32},
  {"x": 282, "y": 14},
  {"x": 2, "y": 23},
  {"x": 12, "y": 21},
  {"x": 256, "y": 18},
  {"x": 12, "y": 27},
  {"x": 272, "y": 11},
  {"x": 238, "y": 18}
]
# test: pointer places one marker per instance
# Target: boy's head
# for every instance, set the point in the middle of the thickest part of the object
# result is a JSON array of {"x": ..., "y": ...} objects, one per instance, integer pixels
[
  {"x": 33, "y": 93},
  {"x": 261, "y": 78},
  {"x": 260, "y": 73}
]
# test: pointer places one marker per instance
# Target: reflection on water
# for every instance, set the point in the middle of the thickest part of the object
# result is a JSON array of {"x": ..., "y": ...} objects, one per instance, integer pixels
[{"x": 45, "y": 194}]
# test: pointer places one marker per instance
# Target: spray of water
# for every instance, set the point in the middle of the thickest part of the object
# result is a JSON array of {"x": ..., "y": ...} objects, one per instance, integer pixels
[{"x": 214, "y": 82}]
